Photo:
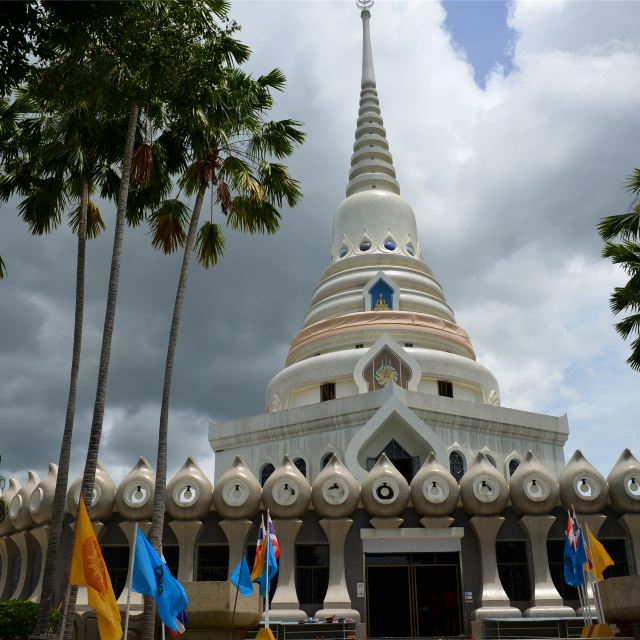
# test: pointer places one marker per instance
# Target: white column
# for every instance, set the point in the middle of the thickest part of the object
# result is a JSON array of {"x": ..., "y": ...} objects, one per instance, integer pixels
[
  {"x": 285, "y": 605},
  {"x": 631, "y": 523},
  {"x": 546, "y": 599},
  {"x": 186, "y": 535},
  {"x": 20, "y": 540},
  {"x": 41, "y": 534},
  {"x": 5, "y": 567},
  {"x": 337, "y": 601},
  {"x": 494, "y": 601},
  {"x": 236, "y": 532},
  {"x": 137, "y": 599}
]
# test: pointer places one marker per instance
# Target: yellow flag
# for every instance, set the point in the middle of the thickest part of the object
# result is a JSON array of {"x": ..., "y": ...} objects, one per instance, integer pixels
[
  {"x": 88, "y": 569},
  {"x": 599, "y": 557}
]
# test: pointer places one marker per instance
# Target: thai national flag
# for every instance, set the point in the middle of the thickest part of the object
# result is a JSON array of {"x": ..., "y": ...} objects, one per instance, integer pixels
[
  {"x": 274, "y": 538},
  {"x": 181, "y": 625}
]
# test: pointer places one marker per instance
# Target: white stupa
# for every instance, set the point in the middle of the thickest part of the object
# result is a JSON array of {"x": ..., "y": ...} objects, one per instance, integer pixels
[{"x": 380, "y": 357}]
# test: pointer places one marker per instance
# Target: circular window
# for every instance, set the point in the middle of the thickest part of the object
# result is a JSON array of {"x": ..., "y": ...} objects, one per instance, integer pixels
[
  {"x": 365, "y": 245},
  {"x": 410, "y": 250},
  {"x": 390, "y": 245},
  {"x": 235, "y": 493},
  {"x": 485, "y": 489},
  {"x": 14, "y": 507},
  {"x": 632, "y": 487},
  {"x": 95, "y": 494},
  {"x": 335, "y": 491},
  {"x": 137, "y": 495},
  {"x": 285, "y": 492},
  {"x": 385, "y": 490},
  {"x": 536, "y": 489},
  {"x": 343, "y": 251},
  {"x": 185, "y": 494},
  {"x": 435, "y": 490},
  {"x": 587, "y": 488},
  {"x": 35, "y": 502}
]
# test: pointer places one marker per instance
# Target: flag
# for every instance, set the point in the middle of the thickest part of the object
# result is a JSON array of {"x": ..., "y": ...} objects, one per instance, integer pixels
[
  {"x": 151, "y": 577},
  {"x": 273, "y": 537},
  {"x": 88, "y": 569},
  {"x": 258, "y": 561},
  {"x": 241, "y": 578},
  {"x": 269, "y": 563},
  {"x": 574, "y": 554},
  {"x": 181, "y": 625},
  {"x": 598, "y": 557}
]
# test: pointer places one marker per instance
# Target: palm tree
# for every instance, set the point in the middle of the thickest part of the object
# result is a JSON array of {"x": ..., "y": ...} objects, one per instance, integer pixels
[
  {"x": 625, "y": 251},
  {"x": 228, "y": 145},
  {"x": 53, "y": 160}
]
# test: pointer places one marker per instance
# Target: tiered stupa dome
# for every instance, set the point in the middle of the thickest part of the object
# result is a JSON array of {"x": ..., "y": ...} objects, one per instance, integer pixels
[{"x": 377, "y": 286}]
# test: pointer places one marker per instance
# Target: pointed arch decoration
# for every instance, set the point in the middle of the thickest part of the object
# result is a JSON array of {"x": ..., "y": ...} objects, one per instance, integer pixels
[
  {"x": 381, "y": 293},
  {"x": 384, "y": 363}
]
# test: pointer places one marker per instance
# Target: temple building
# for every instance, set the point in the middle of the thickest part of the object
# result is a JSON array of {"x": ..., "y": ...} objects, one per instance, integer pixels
[{"x": 404, "y": 496}]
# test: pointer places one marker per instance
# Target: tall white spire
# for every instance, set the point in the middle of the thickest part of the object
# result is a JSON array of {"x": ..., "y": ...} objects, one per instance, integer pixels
[{"x": 371, "y": 163}]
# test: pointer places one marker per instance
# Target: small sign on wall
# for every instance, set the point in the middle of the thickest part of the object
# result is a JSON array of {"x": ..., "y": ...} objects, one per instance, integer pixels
[
  {"x": 360, "y": 589},
  {"x": 468, "y": 596}
]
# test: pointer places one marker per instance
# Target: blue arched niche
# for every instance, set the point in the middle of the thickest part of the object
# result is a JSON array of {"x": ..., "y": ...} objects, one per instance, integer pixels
[{"x": 381, "y": 296}]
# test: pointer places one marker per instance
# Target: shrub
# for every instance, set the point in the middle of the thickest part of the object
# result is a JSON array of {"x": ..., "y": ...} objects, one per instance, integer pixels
[{"x": 18, "y": 617}]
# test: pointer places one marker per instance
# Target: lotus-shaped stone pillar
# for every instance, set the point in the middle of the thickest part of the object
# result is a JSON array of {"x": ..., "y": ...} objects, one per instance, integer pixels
[
  {"x": 582, "y": 486},
  {"x": 237, "y": 493},
  {"x": 103, "y": 496},
  {"x": 286, "y": 493},
  {"x": 533, "y": 488},
  {"x": 335, "y": 492},
  {"x": 134, "y": 497},
  {"x": 483, "y": 489},
  {"x": 434, "y": 491},
  {"x": 189, "y": 493},
  {"x": 385, "y": 492}
]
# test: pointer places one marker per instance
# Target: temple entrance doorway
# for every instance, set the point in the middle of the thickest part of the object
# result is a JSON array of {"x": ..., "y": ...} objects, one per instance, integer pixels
[{"x": 413, "y": 595}]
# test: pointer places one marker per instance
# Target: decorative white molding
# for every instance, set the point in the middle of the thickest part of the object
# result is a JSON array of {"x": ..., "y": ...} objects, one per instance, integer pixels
[{"x": 393, "y": 408}]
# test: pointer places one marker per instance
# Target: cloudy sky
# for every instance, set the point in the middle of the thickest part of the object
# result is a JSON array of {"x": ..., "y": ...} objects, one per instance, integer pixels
[{"x": 513, "y": 127}]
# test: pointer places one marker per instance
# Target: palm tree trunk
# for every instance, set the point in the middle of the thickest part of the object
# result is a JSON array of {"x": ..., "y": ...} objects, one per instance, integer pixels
[
  {"x": 57, "y": 516},
  {"x": 107, "y": 334},
  {"x": 157, "y": 522}
]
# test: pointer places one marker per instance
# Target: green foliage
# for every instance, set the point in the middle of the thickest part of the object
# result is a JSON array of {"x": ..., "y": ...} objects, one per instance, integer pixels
[
  {"x": 18, "y": 618},
  {"x": 621, "y": 234}
]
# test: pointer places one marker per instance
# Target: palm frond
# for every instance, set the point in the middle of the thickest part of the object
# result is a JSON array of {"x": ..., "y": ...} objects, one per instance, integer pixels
[
  {"x": 142, "y": 165},
  {"x": 168, "y": 224},
  {"x": 629, "y": 325},
  {"x": 624, "y": 225},
  {"x": 42, "y": 208},
  {"x": 275, "y": 79},
  {"x": 95, "y": 223},
  {"x": 633, "y": 182},
  {"x": 238, "y": 175},
  {"x": 278, "y": 184},
  {"x": 625, "y": 254},
  {"x": 209, "y": 244},
  {"x": 249, "y": 215},
  {"x": 634, "y": 359}
]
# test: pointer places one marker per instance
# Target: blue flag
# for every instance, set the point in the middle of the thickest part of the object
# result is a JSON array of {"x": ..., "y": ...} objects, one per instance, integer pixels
[
  {"x": 151, "y": 577},
  {"x": 574, "y": 554},
  {"x": 269, "y": 569},
  {"x": 241, "y": 578}
]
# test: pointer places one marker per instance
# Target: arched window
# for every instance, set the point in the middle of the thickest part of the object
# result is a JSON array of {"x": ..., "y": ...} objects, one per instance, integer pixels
[
  {"x": 325, "y": 459},
  {"x": 457, "y": 465},
  {"x": 384, "y": 368},
  {"x": 513, "y": 465},
  {"x": 301, "y": 465},
  {"x": 265, "y": 472}
]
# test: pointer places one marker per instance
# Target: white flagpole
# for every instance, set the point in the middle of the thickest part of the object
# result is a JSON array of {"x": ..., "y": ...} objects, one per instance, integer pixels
[
  {"x": 129, "y": 581},
  {"x": 594, "y": 585},
  {"x": 266, "y": 560}
]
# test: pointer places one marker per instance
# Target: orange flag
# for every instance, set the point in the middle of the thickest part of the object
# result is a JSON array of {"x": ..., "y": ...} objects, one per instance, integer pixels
[{"x": 89, "y": 570}]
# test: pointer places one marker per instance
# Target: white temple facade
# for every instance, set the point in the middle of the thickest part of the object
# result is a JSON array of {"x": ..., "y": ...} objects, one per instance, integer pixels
[{"x": 404, "y": 496}]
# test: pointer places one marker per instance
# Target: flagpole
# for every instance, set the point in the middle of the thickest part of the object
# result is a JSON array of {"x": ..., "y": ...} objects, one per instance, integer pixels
[
  {"x": 266, "y": 560},
  {"x": 129, "y": 581},
  {"x": 596, "y": 590},
  {"x": 235, "y": 603},
  {"x": 65, "y": 611}
]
